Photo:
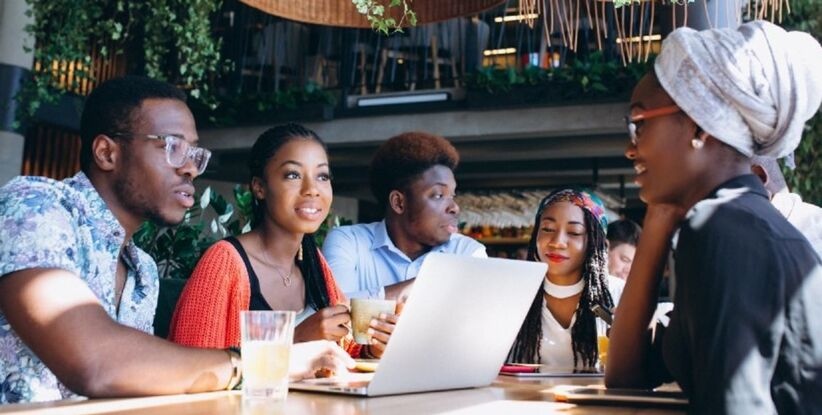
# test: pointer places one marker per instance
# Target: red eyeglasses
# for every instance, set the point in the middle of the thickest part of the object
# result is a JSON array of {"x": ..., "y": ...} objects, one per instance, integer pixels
[{"x": 631, "y": 120}]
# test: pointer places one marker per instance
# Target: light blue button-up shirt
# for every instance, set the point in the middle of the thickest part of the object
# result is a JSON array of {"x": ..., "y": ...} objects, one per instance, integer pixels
[
  {"x": 65, "y": 224},
  {"x": 365, "y": 260}
]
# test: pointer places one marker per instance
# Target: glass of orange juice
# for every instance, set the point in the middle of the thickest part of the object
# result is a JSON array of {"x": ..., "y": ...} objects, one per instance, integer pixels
[
  {"x": 602, "y": 346},
  {"x": 266, "y": 338}
]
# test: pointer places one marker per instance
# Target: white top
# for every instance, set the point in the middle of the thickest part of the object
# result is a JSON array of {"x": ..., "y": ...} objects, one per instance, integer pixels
[
  {"x": 303, "y": 315},
  {"x": 807, "y": 218},
  {"x": 555, "y": 348}
]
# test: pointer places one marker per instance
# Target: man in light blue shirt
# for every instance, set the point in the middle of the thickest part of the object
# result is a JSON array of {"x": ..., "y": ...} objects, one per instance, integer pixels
[{"x": 412, "y": 177}]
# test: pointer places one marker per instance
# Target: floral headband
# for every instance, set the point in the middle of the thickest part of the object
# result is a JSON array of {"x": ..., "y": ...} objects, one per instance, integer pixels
[{"x": 580, "y": 198}]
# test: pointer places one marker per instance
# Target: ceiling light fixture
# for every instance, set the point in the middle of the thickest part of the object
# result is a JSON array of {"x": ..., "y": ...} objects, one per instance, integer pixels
[
  {"x": 403, "y": 99},
  {"x": 516, "y": 17},
  {"x": 636, "y": 39},
  {"x": 505, "y": 51}
]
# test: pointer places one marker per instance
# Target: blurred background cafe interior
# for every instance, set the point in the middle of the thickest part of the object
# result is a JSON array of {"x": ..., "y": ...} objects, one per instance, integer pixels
[{"x": 531, "y": 93}]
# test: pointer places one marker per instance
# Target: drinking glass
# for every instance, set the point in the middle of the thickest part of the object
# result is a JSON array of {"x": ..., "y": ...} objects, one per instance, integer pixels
[
  {"x": 266, "y": 346},
  {"x": 602, "y": 347}
]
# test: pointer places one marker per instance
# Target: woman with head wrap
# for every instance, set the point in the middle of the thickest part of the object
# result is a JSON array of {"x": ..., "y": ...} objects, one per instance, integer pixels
[
  {"x": 560, "y": 329},
  {"x": 745, "y": 335}
]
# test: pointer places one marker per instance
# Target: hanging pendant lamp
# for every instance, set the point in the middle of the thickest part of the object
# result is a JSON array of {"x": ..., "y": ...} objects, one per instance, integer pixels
[
  {"x": 343, "y": 13},
  {"x": 634, "y": 34}
]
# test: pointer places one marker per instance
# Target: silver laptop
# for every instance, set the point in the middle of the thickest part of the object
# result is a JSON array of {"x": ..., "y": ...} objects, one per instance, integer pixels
[{"x": 455, "y": 330}]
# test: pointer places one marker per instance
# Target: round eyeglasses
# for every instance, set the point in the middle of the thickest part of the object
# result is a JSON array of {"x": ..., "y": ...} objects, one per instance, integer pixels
[
  {"x": 178, "y": 150},
  {"x": 632, "y": 120}
]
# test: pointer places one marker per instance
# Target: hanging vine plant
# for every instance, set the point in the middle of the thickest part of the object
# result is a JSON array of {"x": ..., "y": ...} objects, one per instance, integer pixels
[
  {"x": 179, "y": 46},
  {"x": 380, "y": 17},
  {"x": 172, "y": 39}
]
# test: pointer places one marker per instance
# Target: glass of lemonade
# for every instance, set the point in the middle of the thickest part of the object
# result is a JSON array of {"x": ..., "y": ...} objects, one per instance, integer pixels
[
  {"x": 266, "y": 345},
  {"x": 602, "y": 346}
]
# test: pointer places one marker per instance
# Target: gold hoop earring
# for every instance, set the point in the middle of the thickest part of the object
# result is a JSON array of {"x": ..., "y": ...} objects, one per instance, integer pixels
[{"x": 697, "y": 143}]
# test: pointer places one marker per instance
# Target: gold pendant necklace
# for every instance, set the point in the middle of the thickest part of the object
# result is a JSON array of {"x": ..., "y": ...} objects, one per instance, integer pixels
[{"x": 286, "y": 278}]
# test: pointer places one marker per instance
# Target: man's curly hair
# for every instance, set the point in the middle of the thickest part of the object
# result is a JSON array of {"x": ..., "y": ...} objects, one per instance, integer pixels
[{"x": 404, "y": 157}]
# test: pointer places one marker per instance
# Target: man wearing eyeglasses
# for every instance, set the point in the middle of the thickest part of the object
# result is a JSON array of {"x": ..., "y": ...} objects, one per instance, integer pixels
[{"x": 77, "y": 297}]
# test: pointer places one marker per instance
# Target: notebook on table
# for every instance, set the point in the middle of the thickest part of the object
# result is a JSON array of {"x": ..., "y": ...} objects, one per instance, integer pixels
[{"x": 456, "y": 328}]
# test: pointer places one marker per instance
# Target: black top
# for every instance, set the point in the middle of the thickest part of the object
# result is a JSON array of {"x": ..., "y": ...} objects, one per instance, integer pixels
[
  {"x": 257, "y": 300},
  {"x": 746, "y": 332}
]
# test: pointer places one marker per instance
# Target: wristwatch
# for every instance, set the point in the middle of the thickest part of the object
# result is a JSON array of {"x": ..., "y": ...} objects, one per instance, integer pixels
[{"x": 235, "y": 359}]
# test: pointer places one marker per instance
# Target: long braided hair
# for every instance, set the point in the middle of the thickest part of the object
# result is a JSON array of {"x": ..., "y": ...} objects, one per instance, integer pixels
[
  {"x": 526, "y": 348},
  {"x": 264, "y": 149}
]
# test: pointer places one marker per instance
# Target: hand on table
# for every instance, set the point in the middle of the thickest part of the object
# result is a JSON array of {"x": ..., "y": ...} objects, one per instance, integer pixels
[
  {"x": 308, "y": 357},
  {"x": 330, "y": 323}
]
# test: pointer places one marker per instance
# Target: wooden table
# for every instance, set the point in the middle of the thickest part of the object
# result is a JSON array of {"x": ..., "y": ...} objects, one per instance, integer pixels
[{"x": 505, "y": 395}]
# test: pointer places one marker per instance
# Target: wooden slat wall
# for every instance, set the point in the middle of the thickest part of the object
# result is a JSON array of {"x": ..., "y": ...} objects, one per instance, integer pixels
[{"x": 53, "y": 151}]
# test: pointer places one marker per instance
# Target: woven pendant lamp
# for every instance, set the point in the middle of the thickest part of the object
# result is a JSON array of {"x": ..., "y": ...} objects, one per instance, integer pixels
[
  {"x": 634, "y": 34},
  {"x": 343, "y": 13}
]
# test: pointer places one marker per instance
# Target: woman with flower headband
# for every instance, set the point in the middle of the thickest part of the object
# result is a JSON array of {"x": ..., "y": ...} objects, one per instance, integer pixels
[{"x": 560, "y": 329}]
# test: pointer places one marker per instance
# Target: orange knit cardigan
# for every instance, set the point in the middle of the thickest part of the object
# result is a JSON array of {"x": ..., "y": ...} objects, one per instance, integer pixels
[{"x": 208, "y": 311}]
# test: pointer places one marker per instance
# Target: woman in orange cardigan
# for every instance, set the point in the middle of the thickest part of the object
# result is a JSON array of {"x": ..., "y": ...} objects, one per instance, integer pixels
[{"x": 275, "y": 266}]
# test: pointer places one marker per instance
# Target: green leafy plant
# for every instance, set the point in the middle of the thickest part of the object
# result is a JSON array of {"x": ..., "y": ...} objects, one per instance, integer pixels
[
  {"x": 179, "y": 45},
  {"x": 177, "y": 249},
  {"x": 259, "y": 107},
  {"x": 594, "y": 77},
  {"x": 172, "y": 38},
  {"x": 379, "y": 17},
  {"x": 805, "y": 15},
  {"x": 293, "y": 97},
  {"x": 807, "y": 176},
  {"x": 493, "y": 80}
]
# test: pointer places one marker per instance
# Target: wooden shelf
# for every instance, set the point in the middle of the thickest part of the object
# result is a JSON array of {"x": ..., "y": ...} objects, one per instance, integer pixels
[{"x": 503, "y": 241}]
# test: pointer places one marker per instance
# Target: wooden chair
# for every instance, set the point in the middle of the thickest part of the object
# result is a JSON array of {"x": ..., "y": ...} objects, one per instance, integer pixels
[
  {"x": 441, "y": 57},
  {"x": 399, "y": 50}
]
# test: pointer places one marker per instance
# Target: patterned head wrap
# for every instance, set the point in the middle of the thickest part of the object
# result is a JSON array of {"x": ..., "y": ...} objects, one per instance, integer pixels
[
  {"x": 581, "y": 198},
  {"x": 752, "y": 87}
]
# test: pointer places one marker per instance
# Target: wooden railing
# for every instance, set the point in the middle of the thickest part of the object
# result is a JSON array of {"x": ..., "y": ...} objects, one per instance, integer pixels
[{"x": 51, "y": 151}]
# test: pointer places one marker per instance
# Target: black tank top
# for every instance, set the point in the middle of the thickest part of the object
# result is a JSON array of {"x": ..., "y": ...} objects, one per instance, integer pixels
[{"x": 257, "y": 300}]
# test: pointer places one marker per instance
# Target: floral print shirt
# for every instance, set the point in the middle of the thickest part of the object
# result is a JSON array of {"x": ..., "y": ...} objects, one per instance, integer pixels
[{"x": 66, "y": 225}]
